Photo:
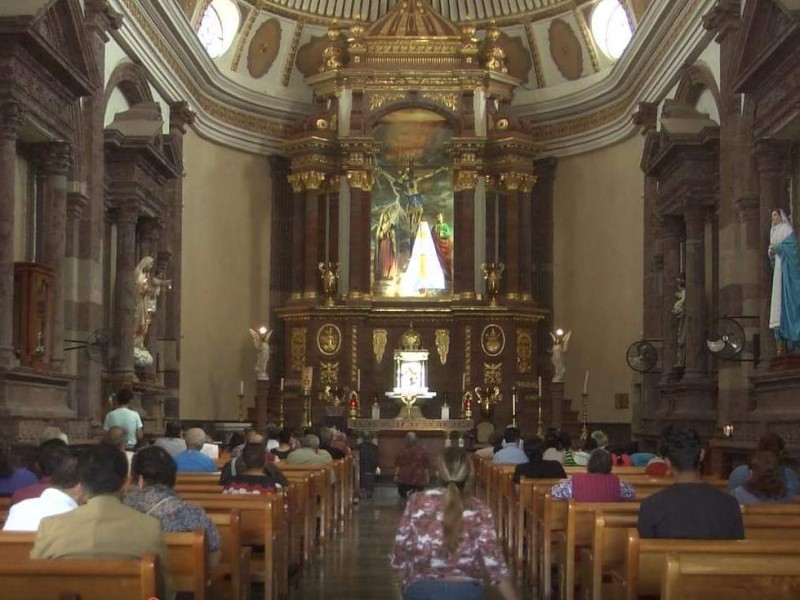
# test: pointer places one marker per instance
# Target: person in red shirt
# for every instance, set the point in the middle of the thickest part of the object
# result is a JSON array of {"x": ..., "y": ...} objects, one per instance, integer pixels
[
  {"x": 446, "y": 544},
  {"x": 411, "y": 467}
]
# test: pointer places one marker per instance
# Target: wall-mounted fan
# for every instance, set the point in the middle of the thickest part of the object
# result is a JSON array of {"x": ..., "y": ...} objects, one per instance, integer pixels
[
  {"x": 96, "y": 346},
  {"x": 728, "y": 340},
  {"x": 642, "y": 356}
]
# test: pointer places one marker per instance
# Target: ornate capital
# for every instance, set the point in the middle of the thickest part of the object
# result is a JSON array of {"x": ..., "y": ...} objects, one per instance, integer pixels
[
  {"x": 54, "y": 158},
  {"x": 465, "y": 180},
  {"x": 10, "y": 119},
  {"x": 126, "y": 212},
  {"x": 514, "y": 181},
  {"x": 360, "y": 179},
  {"x": 313, "y": 180},
  {"x": 296, "y": 181}
]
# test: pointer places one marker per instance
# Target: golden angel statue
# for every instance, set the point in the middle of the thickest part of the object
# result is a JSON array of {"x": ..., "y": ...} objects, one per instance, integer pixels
[
  {"x": 148, "y": 289},
  {"x": 261, "y": 342},
  {"x": 560, "y": 344}
]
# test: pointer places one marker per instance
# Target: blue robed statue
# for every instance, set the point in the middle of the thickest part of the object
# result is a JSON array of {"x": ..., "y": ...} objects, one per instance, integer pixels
[{"x": 784, "y": 314}]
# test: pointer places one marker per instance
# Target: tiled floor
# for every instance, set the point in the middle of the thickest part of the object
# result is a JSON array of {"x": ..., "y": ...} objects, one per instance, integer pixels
[{"x": 355, "y": 565}]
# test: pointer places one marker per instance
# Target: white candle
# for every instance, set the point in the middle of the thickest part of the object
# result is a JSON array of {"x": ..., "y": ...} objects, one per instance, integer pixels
[
  {"x": 540, "y": 387},
  {"x": 241, "y": 387},
  {"x": 463, "y": 381},
  {"x": 514, "y": 403},
  {"x": 281, "y": 383},
  {"x": 586, "y": 383},
  {"x": 358, "y": 379}
]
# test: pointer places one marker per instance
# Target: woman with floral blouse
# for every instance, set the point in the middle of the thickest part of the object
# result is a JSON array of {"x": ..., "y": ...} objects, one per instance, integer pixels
[{"x": 446, "y": 545}]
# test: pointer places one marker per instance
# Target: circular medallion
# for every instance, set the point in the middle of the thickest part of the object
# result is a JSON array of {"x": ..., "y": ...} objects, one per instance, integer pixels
[
  {"x": 565, "y": 49},
  {"x": 329, "y": 339},
  {"x": 493, "y": 340},
  {"x": 264, "y": 46}
]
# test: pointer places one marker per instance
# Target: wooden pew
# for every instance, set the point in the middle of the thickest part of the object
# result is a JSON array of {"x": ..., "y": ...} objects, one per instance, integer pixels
[
  {"x": 553, "y": 519},
  {"x": 606, "y": 552},
  {"x": 581, "y": 518},
  {"x": 741, "y": 577},
  {"x": 29, "y": 579},
  {"x": 262, "y": 524},
  {"x": 643, "y": 568},
  {"x": 230, "y": 579},
  {"x": 531, "y": 509}
]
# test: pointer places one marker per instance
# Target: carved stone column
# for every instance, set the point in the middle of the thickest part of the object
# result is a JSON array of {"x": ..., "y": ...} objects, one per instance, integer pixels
[
  {"x": 53, "y": 162},
  {"x": 125, "y": 217},
  {"x": 772, "y": 159},
  {"x": 464, "y": 225},
  {"x": 360, "y": 184},
  {"x": 10, "y": 121},
  {"x": 298, "y": 236},
  {"x": 672, "y": 232},
  {"x": 695, "y": 309}
]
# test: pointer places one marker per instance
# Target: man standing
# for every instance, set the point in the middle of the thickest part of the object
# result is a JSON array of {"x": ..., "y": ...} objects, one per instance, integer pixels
[
  {"x": 124, "y": 417},
  {"x": 59, "y": 496},
  {"x": 103, "y": 527},
  {"x": 689, "y": 508},
  {"x": 411, "y": 467},
  {"x": 192, "y": 460}
]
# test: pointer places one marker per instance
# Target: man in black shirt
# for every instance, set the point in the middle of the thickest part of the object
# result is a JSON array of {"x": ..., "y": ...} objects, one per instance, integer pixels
[
  {"x": 689, "y": 508},
  {"x": 536, "y": 468}
]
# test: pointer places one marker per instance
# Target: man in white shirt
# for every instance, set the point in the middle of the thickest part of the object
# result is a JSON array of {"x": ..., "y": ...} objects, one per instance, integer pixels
[
  {"x": 61, "y": 497},
  {"x": 511, "y": 454},
  {"x": 124, "y": 417}
]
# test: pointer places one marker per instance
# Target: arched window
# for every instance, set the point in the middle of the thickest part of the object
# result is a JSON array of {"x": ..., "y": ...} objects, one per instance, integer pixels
[
  {"x": 611, "y": 29},
  {"x": 218, "y": 27}
]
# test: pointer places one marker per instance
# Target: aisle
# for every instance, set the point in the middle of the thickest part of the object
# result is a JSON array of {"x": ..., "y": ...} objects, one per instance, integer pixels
[{"x": 355, "y": 564}]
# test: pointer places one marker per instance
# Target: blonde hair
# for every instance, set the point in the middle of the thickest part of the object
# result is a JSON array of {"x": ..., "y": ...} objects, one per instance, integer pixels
[{"x": 455, "y": 471}]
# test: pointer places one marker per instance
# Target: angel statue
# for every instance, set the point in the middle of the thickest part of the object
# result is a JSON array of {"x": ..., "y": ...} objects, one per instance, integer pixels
[
  {"x": 148, "y": 289},
  {"x": 560, "y": 344},
  {"x": 261, "y": 342}
]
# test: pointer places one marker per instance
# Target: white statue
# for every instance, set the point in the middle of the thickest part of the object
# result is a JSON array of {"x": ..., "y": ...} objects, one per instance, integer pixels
[
  {"x": 261, "y": 342},
  {"x": 148, "y": 289},
  {"x": 560, "y": 343},
  {"x": 679, "y": 311}
]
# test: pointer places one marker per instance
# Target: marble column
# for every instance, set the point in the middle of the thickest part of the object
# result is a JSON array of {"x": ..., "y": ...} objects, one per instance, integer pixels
[
  {"x": 53, "y": 162},
  {"x": 526, "y": 245},
  {"x": 126, "y": 215},
  {"x": 76, "y": 204},
  {"x": 672, "y": 232},
  {"x": 695, "y": 308},
  {"x": 771, "y": 162},
  {"x": 511, "y": 232},
  {"x": 312, "y": 244},
  {"x": 542, "y": 234},
  {"x": 464, "y": 256},
  {"x": 10, "y": 121}
]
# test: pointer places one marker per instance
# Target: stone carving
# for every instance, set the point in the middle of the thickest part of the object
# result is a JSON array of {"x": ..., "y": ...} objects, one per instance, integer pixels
[
  {"x": 560, "y": 344},
  {"x": 524, "y": 350},
  {"x": 298, "y": 349},
  {"x": 679, "y": 312},
  {"x": 261, "y": 342}
]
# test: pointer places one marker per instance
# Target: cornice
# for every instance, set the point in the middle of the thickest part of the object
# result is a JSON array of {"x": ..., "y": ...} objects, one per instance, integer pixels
[{"x": 590, "y": 118}]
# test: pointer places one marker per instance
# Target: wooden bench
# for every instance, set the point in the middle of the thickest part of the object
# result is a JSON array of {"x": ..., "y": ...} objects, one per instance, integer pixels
[
  {"x": 230, "y": 579},
  {"x": 607, "y": 551},
  {"x": 28, "y": 579},
  {"x": 741, "y": 577},
  {"x": 643, "y": 567}
]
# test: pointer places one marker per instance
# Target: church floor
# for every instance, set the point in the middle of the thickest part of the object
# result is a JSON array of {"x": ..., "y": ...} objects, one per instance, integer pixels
[{"x": 355, "y": 564}]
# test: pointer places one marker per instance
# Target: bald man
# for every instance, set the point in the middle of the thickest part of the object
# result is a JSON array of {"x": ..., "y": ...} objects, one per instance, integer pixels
[{"x": 192, "y": 460}]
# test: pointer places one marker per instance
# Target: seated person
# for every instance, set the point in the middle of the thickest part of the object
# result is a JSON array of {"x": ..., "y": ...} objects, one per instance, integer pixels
[
  {"x": 49, "y": 453},
  {"x": 60, "y": 495},
  {"x": 237, "y": 465},
  {"x": 172, "y": 441},
  {"x": 765, "y": 484},
  {"x": 117, "y": 437},
  {"x": 511, "y": 454},
  {"x": 689, "y": 508},
  {"x": 641, "y": 459},
  {"x": 656, "y": 467},
  {"x": 554, "y": 448},
  {"x": 272, "y": 436},
  {"x": 12, "y": 478},
  {"x": 192, "y": 460},
  {"x": 153, "y": 474},
  {"x": 309, "y": 453},
  {"x": 598, "y": 484},
  {"x": 326, "y": 443},
  {"x": 103, "y": 527},
  {"x": 770, "y": 442},
  {"x": 284, "y": 443},
  {"x": 495, "y": 445},
  {"x": 340, "y": 442},
  {"x": 253, "y": 478},
  {"x": 537, "y": 467},
  {"x": 581, "y": 457}
]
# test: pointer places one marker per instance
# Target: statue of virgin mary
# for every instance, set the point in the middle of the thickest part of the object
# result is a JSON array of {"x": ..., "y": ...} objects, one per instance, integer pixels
[{"x": 784, "y": 313}]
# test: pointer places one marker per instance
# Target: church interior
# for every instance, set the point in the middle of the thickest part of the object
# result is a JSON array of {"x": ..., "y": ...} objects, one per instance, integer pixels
[{"x": 438, "y": 216}]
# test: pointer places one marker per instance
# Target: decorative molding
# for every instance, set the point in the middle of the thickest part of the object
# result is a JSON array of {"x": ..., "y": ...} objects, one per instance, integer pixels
[
  {"x": 379, "y": 340},
  {"x": 442, "y": 337},
  {"x": 298, "y": 347},
  {"x": 292, "y": 55}
]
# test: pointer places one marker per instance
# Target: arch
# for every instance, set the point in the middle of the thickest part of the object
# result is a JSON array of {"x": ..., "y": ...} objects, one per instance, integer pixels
[
  {"x": 131, "y": 79},
  {"x": 413, "y": 102},
  {"x": 694, "y": 81}
]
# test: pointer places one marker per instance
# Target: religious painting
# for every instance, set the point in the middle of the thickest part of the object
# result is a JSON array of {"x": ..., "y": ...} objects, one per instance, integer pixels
[{"x": 412, "y": 206}]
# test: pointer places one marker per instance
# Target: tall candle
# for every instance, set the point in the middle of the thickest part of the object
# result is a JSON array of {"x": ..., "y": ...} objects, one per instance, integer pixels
[
  {"x": 586, "y": 383},
  {"x": 540, "y": 387},
  {"x": 463, "y": 381},
  {"x": 327, "y": 226},
  {"x": 514, "y": 403},
  {"x": 281, "y": 383},
  {"x": 358, "y": 379},
  {"x": 241, "y": 387}
]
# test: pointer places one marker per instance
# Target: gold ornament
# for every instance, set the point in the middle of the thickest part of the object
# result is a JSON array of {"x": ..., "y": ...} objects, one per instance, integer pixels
[
  {"x": 443, "y": 344},
  {"x": 379, "y": 339},
  {"x": 493, "y": 340},
  {"x": 329, "y": 339},
  {"x": 524, "y": 350},
  {"x": 329, "y": 373},
  {"x": 493, "y": 373},
  {"x": 298, "y": 348}
]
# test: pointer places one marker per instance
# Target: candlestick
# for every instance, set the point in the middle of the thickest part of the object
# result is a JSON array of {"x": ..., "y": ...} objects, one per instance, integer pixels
[
  {"x": 586, "y": 384},
  {"x": 584, "y": 428},
  {"x": 241, "y": 387},
  {"x": 241, "y": 406}
]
